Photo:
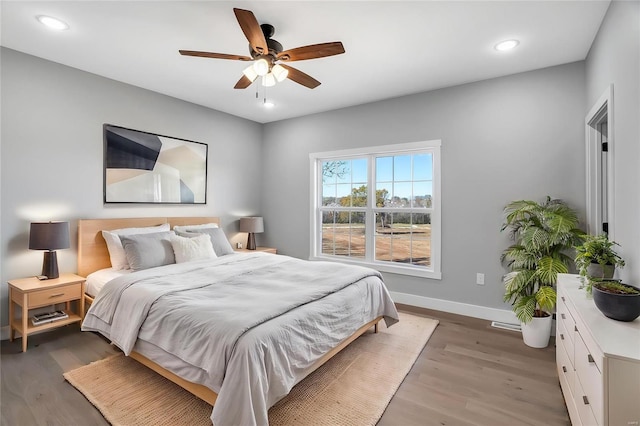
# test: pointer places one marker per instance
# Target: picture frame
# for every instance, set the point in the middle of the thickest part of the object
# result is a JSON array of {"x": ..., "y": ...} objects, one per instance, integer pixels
[{"x": 148, "y": 168}]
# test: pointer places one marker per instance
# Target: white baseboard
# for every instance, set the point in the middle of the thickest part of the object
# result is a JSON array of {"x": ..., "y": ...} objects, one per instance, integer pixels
[{"x": 475, "y": 311}]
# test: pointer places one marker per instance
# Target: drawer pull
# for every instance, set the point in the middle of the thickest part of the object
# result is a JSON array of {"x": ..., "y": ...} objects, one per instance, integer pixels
[
  {"x": 590, "y": 358},
  {"x": 575, "y": 328},
  {"x": 561, "y": 336},
  {"x": 56, "y": 295},
  {"x": 563, "y": 316},
  {"x": 562, "y": 297},
  {"x": 585, "y": 400},
  {"x": 564, "y": 369}
]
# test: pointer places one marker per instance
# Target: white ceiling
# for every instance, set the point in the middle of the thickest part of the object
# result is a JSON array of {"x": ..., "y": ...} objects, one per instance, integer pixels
[{"x": 393, "y": 48}]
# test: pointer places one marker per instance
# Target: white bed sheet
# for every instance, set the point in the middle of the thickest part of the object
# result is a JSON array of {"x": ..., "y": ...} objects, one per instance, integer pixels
[{"x": 97, "y": 280}]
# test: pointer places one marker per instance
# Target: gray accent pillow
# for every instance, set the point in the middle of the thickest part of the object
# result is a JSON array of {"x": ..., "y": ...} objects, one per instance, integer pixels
[
  {"x": 219, "y": 240},
  {"x": 144, "y": 251}
]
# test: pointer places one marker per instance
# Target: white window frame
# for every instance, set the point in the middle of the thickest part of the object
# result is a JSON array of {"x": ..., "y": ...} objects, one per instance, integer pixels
[{"x": 315, "y": 159}]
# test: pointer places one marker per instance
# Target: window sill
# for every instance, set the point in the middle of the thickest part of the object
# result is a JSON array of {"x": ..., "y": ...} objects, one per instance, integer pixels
[{"x": 384, "y": 267}]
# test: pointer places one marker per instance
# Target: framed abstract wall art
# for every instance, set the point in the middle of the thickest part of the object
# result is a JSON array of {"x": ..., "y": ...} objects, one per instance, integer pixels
[{"x": 142, "y": 167}]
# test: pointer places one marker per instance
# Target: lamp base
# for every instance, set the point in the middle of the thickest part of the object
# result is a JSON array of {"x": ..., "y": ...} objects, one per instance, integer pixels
[
  {"x": 251, "y": 241},
  {"x": 50, "y": 265}
]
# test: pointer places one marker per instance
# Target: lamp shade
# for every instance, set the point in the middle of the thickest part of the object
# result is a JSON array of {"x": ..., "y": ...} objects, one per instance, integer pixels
[
  {"x": 251, "y": 224},
  {"x": 49, "y": 236}
]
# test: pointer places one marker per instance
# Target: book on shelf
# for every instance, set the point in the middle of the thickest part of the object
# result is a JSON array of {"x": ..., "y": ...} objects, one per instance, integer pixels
[{"x": 46, "y": 317}]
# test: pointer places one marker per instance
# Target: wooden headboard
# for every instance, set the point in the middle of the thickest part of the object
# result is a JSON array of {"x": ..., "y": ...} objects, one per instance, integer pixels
[{"x": 92, "y": 249}]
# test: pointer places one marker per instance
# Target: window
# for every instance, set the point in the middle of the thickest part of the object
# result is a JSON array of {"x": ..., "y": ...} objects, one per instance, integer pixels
[{"x": 379, "y": 206}]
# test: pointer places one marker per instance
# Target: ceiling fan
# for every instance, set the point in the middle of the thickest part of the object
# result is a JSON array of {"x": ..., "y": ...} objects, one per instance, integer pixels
[{"x": 266, "y": 53}]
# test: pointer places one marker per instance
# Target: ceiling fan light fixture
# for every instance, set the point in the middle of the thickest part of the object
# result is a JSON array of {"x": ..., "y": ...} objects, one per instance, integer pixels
[
  {"x": 250, "y": 73},
  {"x": 279, "y": 72},
  {"x": 268, "y": 80},
  {"x": 261, "y": 67},
  {"x": 52, "y": 23}
]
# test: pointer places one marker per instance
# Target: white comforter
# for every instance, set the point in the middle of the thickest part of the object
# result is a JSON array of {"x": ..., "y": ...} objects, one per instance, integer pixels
[{"x": 250, "y": 321}]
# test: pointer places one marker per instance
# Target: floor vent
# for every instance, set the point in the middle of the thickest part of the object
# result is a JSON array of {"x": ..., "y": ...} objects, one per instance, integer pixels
[{"x": 506, "y": 326}]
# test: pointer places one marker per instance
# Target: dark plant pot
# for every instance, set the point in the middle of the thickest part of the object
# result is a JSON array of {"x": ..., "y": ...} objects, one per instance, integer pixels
[
  {"x": 596, "y": 270},
  {"x": 620, "y": 307}
]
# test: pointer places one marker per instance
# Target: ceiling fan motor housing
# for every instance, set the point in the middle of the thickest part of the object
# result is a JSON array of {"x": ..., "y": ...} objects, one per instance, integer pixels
[{"x": 274, "y": 46}]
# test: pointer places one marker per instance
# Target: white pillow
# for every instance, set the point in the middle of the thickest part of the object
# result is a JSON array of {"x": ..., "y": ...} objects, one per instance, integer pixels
[
  {"x": 196, "y": 248},
  {"x": 114, "y": 245},
  {"x": 187, "y": 228}
]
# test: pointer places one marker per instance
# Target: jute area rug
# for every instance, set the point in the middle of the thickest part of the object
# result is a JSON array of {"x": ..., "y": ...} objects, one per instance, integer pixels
[{"x": 353, "y": 388}]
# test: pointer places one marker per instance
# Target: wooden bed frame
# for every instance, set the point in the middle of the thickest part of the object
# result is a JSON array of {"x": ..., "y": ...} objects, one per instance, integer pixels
[{"x": 93, "y": 256}]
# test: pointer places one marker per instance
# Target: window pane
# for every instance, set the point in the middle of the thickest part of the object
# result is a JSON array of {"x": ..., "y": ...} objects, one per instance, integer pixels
[
  {"x": 359, "y": 196},
  {"x": 422, "y": 194},
  {"x": 401, "y": 194},
  {"x": 328, "y": 195},
  {"x": 343, "y": 234},
  {"x": 423, "y": 167},
  {"x": 360, "y": 174},
  {"x": 384, "y": 169},
  {"x": 358, "y": 240},
  {"x": 403, "y": 238},
  {"x": 382, "y": 195},
  {"x": 334, "y": 169},
  {"x": 343, "y": 190},
  {"x": 402, "y": 168}
]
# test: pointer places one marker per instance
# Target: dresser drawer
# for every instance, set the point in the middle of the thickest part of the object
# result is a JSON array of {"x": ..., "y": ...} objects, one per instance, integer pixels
[
  {"x": 564, "y": 317},
  {"x": 589, "y": 377},
  {"x": 55, "y": 295},
  {"x": 565, "y": 367},
  {"x": 564, "y": 339},
  {"x": 584, "y": 407}
]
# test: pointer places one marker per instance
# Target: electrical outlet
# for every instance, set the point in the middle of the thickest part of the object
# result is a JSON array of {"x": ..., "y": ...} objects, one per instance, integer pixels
[
  {"x": 480, "y": 279},
  {"x": 239, "y": 245}
]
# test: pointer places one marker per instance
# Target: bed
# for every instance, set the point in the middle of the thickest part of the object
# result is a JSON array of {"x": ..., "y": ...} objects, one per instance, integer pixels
[{"x": 238, "y": 331}]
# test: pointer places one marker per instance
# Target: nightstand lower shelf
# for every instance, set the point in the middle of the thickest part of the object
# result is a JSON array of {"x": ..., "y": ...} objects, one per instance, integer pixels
[{"x": 17, "y": 324}]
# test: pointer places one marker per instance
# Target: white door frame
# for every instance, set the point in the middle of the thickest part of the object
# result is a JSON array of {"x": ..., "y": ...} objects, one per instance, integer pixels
[{"x": 603, "y": 106}]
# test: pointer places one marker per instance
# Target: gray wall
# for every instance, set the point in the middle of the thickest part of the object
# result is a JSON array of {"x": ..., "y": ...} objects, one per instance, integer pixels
[
  {"x": 51, "y": 163},
  {"x": 614, "y": 58},
  {"x": 516, "y": 137}
]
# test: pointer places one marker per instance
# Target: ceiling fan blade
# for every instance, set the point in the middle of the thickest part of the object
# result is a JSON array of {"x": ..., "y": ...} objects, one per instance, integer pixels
[
  {"x": 243, "y": 83},
  {"x": 312, "y": 51},
  {"x": 252, "y": 30},
  {"x": 301, "y": 78},
  {"x": 215, "y": 55}
]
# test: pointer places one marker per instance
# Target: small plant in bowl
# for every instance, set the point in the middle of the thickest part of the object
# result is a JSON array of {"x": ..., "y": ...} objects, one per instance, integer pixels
[
  {"x": 616, "y": 300},
  {"x": 596, "y": 257}
]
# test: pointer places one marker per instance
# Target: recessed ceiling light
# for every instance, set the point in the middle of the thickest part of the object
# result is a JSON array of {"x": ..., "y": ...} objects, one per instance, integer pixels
[
  {"x": 506, "y": 45},
  {"x": 53, "y": 23}
]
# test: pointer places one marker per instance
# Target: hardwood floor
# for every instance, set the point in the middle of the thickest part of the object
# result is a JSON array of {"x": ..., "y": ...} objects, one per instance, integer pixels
[{"x": 468, "y": 374}]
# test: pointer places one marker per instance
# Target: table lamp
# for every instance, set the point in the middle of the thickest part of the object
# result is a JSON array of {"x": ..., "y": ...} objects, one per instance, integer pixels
[
  {"x": 252, "y": 225},
  {"x": 49, "y": 236}
]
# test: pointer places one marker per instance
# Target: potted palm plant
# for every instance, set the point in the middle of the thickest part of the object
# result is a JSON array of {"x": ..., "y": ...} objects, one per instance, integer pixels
[
  {"x": 543, "y": 233},
  {"x": 596, "y": 257}
]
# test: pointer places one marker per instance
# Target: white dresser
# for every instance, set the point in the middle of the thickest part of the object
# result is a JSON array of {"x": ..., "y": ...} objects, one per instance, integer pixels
[{"x": 598, "y": 360}]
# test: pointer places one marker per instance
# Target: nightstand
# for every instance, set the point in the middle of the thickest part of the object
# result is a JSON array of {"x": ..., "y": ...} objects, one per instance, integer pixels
[
  {"x": 272, "y": 250},
  {"x": 31, "y": 293}
]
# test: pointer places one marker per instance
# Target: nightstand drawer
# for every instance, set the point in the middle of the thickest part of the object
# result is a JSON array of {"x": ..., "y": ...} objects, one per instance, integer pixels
[{"x": 55, "y": 295}]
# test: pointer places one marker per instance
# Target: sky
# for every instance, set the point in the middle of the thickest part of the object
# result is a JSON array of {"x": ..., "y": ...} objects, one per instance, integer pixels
[{"x": 403, "y": 176}]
